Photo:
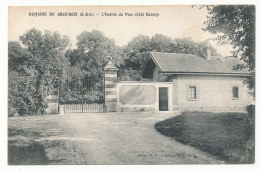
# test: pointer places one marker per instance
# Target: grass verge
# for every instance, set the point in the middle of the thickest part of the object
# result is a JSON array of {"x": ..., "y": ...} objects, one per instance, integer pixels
[{"x": 229, "y": 136}]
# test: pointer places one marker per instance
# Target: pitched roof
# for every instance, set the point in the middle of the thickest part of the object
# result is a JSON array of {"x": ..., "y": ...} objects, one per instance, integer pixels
[{"x": 189, "y": 63}]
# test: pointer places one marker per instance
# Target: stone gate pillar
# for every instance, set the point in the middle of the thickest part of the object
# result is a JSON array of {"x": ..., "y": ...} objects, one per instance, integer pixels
[
  {"x": 53, "y": 104},
  {"x": 110, "y": 87}
]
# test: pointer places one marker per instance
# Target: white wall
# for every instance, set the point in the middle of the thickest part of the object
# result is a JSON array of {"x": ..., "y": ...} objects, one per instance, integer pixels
[{"x": 214, "y": 92}]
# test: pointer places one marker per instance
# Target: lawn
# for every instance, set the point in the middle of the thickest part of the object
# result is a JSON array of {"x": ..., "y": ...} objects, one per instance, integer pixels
[{"x": 229, "y": 136}]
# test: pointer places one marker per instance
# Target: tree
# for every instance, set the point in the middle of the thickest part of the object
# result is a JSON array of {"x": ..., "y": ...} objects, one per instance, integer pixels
[
  {"x": 20, "y": 81},
  {"x": 134, "y": 56},
  {"x": 188, "y": 46},
  {"x": 17, "y": 56},
  {"x": 87, "y": 61},
  {"x": 40, "y": 65},
  {"x": 235, "y": 25},
  {"x": 161, "y": 43},
  {"x": 134, "y": 52},
  {"x": 93, "y": 51}
]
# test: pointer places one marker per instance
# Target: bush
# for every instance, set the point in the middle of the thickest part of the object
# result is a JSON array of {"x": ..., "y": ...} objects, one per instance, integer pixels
[
  {"x": 23, "y": 97},
  {"x": 35, "y": 69},
  {"x": 250, "y": 145},
  {"x": 251, "y": 113}
]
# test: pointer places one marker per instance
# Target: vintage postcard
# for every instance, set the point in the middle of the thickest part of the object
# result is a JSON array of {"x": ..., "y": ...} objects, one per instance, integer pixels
[{"x": 131, "y": 85}]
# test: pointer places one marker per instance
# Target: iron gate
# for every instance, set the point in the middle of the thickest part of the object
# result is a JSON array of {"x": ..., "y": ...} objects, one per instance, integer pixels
[{"x": 82, "y": 94}]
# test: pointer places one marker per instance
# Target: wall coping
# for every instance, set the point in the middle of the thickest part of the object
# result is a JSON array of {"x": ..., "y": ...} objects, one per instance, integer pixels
[{"x": 144, "y": 82}]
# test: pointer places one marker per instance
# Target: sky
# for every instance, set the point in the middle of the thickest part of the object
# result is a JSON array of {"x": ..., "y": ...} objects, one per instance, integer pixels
[{"x": 173, "y": 21}]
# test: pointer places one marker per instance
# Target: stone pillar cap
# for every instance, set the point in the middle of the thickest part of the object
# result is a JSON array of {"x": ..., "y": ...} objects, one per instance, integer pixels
[{"x": 110, "y": 66}]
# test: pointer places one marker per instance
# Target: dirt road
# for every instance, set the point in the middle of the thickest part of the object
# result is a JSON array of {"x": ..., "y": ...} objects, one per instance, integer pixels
[{"x": 101, "y": 138}]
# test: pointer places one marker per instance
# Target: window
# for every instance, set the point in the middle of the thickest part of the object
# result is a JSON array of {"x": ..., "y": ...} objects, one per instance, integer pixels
[
  {"x": 193, "y": 92},
  {"x": 235, "y": 92}
]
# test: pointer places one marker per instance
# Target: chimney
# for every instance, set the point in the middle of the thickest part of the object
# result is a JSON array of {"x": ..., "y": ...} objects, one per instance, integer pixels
[{"x": 208, "y": 52}]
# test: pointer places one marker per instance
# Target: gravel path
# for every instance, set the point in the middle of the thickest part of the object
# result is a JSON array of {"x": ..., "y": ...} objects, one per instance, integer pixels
[{"x": 105, "y": 138}]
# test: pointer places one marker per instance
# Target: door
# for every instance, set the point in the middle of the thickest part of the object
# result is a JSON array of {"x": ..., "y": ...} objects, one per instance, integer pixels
[{"x": 163, "y": 98}]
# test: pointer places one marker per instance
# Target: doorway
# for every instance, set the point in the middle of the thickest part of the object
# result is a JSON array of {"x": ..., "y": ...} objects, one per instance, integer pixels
[{"x": 163, "y": 99}]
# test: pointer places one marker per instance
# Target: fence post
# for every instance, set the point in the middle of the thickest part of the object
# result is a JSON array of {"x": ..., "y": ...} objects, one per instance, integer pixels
[{"x": 110, "y": 87}]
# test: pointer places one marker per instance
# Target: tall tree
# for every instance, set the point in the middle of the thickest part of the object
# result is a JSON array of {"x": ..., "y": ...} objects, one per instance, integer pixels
[
  {"x": 161, "y": 43},
  {"x": 134, "y": 56},
  {"x": 134, "y": 52},
  {"x": 93, "y": 52},
  {"x": 87, "y": 61},
  {"x": 235, "y": 24},
  {"x": 94, "y": 48},
  {"x": 41, "y": 64},
  {"x": 20, "y": 81}
]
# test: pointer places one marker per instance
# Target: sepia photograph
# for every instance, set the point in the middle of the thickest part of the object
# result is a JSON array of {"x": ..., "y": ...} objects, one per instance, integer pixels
[{"x": 131, "y": 85}]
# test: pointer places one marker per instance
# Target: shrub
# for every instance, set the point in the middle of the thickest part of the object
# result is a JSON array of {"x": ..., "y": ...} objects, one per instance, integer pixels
[
  {"x": 35, "y": 69},
  {"x": 251, "y": 113}
]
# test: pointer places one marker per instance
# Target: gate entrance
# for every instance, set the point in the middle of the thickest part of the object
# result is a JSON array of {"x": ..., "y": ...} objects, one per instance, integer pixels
[{"x": 82, "y": 94}]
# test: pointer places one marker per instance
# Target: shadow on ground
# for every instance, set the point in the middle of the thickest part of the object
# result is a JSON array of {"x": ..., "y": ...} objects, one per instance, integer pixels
[
  {"x": 24, "y": 150},
  {"x": 30, "y": 154},
  {"x": 228, "y": 136}
]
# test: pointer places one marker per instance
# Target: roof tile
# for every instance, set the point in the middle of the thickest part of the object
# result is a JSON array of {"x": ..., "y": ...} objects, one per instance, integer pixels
[{"x": 185, "y": 63}]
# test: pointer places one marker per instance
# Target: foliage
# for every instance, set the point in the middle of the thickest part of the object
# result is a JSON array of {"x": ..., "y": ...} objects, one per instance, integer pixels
[
  {"x": 87, "y": 63},
  {"x": 251, "y": 112},
  {"x": 81, "y": 88},
  {"x": 129, "y": 74},
  {"x": 134, "y": 56},
  {"x": 37, "y": 68},
  {"x": 188, "y": 46},
  {"x": 21, "y": 84},
  {"x": 251, "y": 128},
  {"x": 235, "y": 24},
  {"x": 94, "y": 48},
  {"x": 21, "y": 93},
  {"x": 161, "y": 43},
  {"x": 165, "y": 78}
]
